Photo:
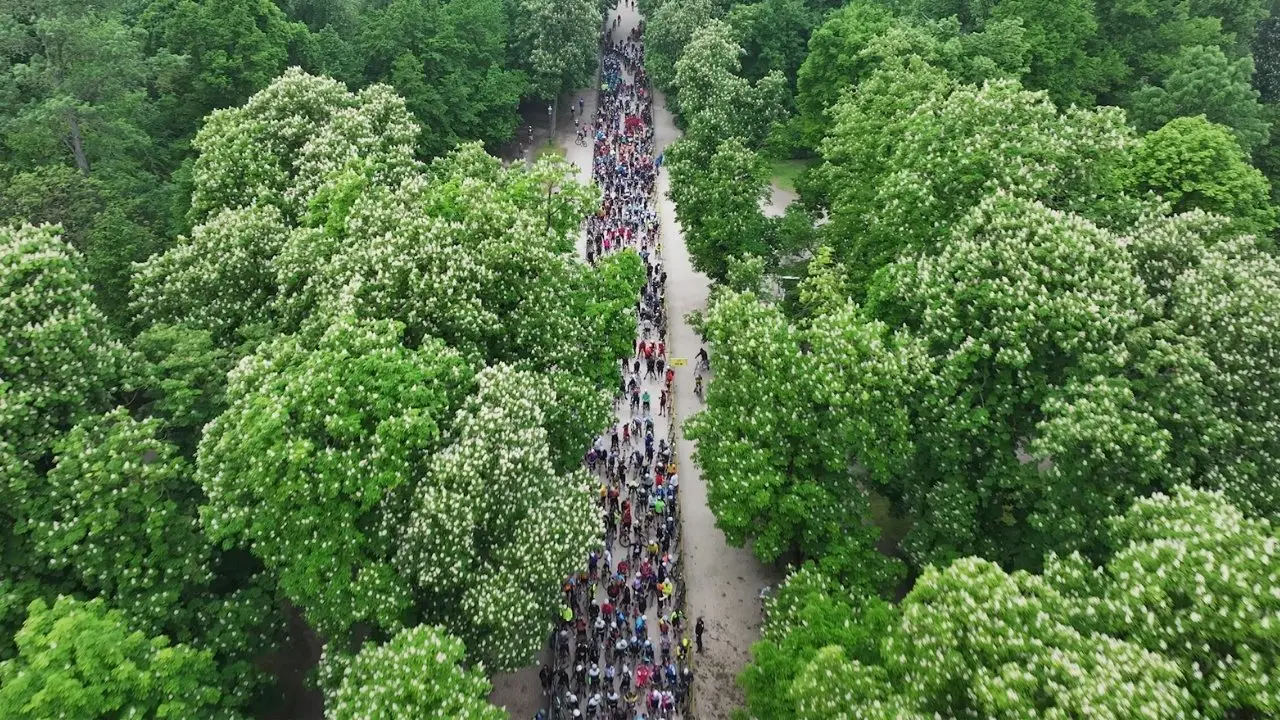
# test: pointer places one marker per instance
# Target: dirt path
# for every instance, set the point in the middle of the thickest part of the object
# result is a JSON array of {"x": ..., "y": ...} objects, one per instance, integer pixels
[{"x": 724, "y": 582}]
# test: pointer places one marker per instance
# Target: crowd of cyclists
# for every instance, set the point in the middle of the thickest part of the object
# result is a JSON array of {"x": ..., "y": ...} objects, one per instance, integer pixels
[{"x": 622, "y": 648}]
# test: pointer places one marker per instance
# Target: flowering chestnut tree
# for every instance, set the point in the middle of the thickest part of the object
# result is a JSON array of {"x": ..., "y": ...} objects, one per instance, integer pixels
[
  {"x": 931, "y": 154},
  {"x": 493, "y": 529},
  {"x": 220, "y": 280},
  {"x": 973, "y": 641},
  {"x": 718, "y": 203},
  {"x": 716, "y": 102},
  {"x": 777, "y": 471},
  {"x": 415, "y": 674},
  {"x": 1193, "y": 579},
  {"x": 311, "y": 442},
  {"x": 58, "y": 360},
  {"x": 811, "y": 611},
  {"x": 292, "y": 137}
]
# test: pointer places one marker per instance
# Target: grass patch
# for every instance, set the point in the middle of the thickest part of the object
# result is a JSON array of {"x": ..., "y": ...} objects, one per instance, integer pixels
[
  {"x": 785, "y": 172},
  {"x": 892, "y": 528},
  {"x": 548, "y": 149}
]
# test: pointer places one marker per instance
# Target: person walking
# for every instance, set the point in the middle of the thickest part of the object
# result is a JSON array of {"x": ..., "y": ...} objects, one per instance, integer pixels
[{"x": 697, "y": 632}]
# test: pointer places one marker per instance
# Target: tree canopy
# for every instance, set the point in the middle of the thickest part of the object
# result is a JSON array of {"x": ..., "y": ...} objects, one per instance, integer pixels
[{"x": 1176, "y": 617}]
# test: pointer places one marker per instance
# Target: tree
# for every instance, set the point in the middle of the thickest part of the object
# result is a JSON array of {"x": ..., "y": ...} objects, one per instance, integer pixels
[
  {"x": 415, "y": 674},
  {"x": 1141, "y": 40},
  {"x": 448, "y": 63},
  {"x": 775, "y": 35},
  {"x": 1204, "y": 81},
  {"x": 1188, "y": 579},
  {"x": 775, "y": 471},
  {"x": 1221, "y": 300},
  {"x": 304, "y": 495},
  {"x": 1172, "y": 616},
  {"x": 1196, "y": 164},
  {"x": 716, "y": 102},
  {"x": 668, "y": 31},
  {"x": 492, "y": 531},
  {"x": 234, "y": 48},
  {"x": 560, "y": 40},
  {"x": 220, "y": 280},
  {"x": 718, "y": 203},
  {"x": 79, "y": 659},
  {"x": 58, "y": 360},
  {"x": 900, "y": 173},
  {"x": 118, "y": 512},
  {"x": 1060, "y": 37},
  {"x": 1266, "y": 59},
  {"x": 56, "y": 195},
  {"x": 78, "y": 85},
  {"x": 299, "y": 133},
  {"x": 810, "y": 612},
  {"x": 184, "y": 376},
  {"x": 974, "y": 641},
  {"x": 1028, "y": 435},
  {"x": 836, "y": 62}
]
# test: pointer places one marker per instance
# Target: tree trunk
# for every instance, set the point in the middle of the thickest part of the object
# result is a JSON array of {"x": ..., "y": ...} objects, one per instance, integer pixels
[
  {"x": 555, "y": 110},
  {"x": 77, "y": 143}
]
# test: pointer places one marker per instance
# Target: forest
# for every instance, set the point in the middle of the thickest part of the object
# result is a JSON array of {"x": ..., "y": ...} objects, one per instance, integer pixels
[
  {"x": 289, "y": 354},
  {"x": 999, "y": 385},
  {"x": 268, "y": 307}
]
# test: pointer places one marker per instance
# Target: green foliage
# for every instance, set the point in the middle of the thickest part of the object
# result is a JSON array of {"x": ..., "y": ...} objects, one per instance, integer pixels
[
  {"x": 493, "y": 530},
  {"x": 292, "y": 138},
  {"x": 1204, "y": 81},
  {"x": 1266, "y": 60},
  {"x": 76, "y": 76},
  {"x": 184, "y": 375},
  {"x": 835, "y": 62},
  {"x": 120, "y": 498},
  {"x": 559, "y": 41},
  {"x": 415, "y": 674},
  {"x": 1060, "y": 36},
  {"x": 79, "y": 659},
  {"x": 669, "y": 30},
  {"x": 718, "y": 203},
  {"x": 453, "y": 79},
  {"x": 1026, "y": 435},
  {"x": 57, "y": 358},
  {"x": 775, "y": 472},
  {"x": 1195, "y": 164},
  {"x": 775, "y": 34},
  {"x": 810, "y": 612},
  {"x": 717, "y": 103},
  {"x": 311, "y": 442},
  {"x": 974, "y": 641},
  {"x": 1179, "y": 616},
  {"x": 219, "y": 280},
  {"x": 1189, "y": 579},
  {"x": 55, "y": 195},
  {"x": 892, "y": 184},
  {"x": 1223, "y": 300},
  {"x": 233, "y": 48}
]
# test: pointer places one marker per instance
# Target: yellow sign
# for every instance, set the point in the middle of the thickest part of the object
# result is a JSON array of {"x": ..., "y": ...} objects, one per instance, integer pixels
[{"x": 679, "y": 362}]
